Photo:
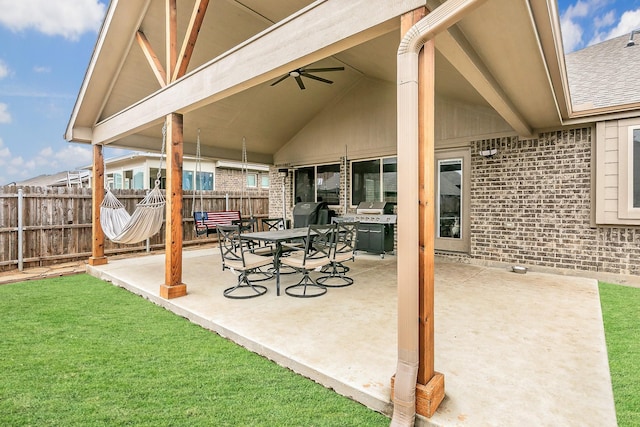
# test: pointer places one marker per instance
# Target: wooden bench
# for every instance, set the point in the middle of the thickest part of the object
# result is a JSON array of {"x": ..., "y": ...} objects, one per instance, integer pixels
[{"x": 205, "y": 222}]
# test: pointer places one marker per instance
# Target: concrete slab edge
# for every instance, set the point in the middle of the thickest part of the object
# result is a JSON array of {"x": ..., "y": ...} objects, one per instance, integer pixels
[{"x": 372, "y": 402}]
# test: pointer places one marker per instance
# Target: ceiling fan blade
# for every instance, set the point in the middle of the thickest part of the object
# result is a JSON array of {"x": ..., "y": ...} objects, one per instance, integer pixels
[
  {"x": 321, "y": 70},
  {"x": 299, "y": 80},
  {"x": 280, "y": 79},
  {"x": 320, "y": 79}
]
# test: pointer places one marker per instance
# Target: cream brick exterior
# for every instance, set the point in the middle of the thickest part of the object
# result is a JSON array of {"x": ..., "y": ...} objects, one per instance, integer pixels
[{"x": 531, "y": 205}]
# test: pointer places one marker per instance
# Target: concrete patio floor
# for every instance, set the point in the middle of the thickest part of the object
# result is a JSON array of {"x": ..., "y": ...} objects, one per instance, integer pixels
[{"x": 516, "y": 350}]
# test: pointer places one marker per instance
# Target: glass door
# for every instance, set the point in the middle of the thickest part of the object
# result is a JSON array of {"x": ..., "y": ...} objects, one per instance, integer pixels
[{"x": 452, "y": 201}]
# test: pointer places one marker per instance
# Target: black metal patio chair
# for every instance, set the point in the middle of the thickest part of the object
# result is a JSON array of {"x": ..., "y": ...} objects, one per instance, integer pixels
[
  {"x": 238, "y": 257},
  {"x": 315, "y": 254},
  {"x": 344, "y": 250}
]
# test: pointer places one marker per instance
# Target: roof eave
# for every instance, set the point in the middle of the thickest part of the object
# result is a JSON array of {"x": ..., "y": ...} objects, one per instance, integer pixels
[{"x": 115, "y": 38}]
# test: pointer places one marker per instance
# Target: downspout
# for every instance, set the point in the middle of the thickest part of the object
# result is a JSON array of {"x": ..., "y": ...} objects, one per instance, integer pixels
[{"x": 446, "y": 15}]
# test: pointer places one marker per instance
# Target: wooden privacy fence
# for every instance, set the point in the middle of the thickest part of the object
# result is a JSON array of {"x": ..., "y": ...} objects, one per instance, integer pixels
[{"x": 47, "y": 225}]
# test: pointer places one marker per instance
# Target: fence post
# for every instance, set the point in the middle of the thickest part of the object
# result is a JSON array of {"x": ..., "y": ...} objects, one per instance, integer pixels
[
  {"x": 20, "y": 230},
  {"x": 226, "y": 201}
]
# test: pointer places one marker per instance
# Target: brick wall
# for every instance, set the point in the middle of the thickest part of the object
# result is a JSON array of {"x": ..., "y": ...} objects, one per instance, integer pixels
[
  {"x": 235, "y": 180},
  {"x": 531, "y": 205}
]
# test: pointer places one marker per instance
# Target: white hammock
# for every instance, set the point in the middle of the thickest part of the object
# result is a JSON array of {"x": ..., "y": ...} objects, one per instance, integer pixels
[{"x": 146, "y": 220}]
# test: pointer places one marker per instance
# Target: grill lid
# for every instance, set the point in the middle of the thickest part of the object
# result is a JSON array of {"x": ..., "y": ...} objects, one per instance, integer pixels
[{"x": 374, "y": 208}]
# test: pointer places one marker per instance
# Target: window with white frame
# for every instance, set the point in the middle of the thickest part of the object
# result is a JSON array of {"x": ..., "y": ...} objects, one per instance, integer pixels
[
  {"x": 629, "y": 170},
  {"x": 252, "y": 180},
  {"x": 634, "y": 135},
  {"x": 264, "y": 180},
  {"x": 617, "y": 172}
]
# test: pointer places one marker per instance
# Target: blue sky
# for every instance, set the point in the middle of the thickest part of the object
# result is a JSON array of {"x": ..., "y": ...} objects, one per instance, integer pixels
[{"x": 45, "y": 46}]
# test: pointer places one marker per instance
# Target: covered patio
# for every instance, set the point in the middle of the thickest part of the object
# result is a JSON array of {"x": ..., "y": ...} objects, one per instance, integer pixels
[{"x": 517, "y": 349}]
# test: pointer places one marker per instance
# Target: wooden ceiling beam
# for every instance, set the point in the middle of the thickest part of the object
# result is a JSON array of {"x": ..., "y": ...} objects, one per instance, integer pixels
[
  {"x": 171, "y": 33},
  {"x": 152, "y": 58},
  {"x": 191, "y": 36}
]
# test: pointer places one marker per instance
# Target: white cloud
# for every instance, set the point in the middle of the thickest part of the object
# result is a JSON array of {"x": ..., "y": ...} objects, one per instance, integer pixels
[
  {"x": 578, "y": 10},
  {"x": 4, "y": 153},
  {"x": 5, "y": 116},
  {"x": 47, "y": 161},
  {"x": 41, "y": 69},
  {"x": 4, "y": 69},
  {"x": 606, "y": 20},
  {"x": 629, "y": 21},
  {"x": 587, "y": 22},
  {"x": 66, "y": 18},
  {"x": 571, "y": 35}
]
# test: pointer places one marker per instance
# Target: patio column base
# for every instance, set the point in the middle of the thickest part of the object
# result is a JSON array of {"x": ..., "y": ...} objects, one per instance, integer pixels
[
  {"x": 428, "y": 396},
  {"x": 97, "y": 260},
  {"x": 175, "y": 291}
]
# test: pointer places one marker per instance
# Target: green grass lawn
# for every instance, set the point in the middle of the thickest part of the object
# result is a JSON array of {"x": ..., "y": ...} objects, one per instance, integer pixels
[
  {"x": 76, "y": 351},
  {"x": 621, "y": 314}
]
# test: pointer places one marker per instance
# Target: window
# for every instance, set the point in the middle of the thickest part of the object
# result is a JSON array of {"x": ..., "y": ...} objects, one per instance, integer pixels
[
  {"x": 390, "y": 179},
  {"x": 328, "y": 183},
  {"x": 635, "y": 136},
  {"x": 153, "y": 175},
  {"x": 252, "y": 180},
  {"x": 305, "y": 189},
  {"x": 449, "y": 198},
  {"x": 204, "y": 181},
  {"x": 138, "y": 179},
  {"x": 264, "y": 180},
  {"x": 318, "y": 184},
  {"x": 187, "y": 180},
  {"x": 616, "y": 165},
  {"x": 117, "y": 180},
  {"x": 374, "y": 180}
]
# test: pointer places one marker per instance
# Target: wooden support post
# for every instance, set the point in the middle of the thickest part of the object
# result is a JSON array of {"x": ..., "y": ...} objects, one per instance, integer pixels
[
  {"x": 430, "y": 387},
  {"x": 426, "y": 122},
  {"x": 430, "y": 384},
  {"x": 173, "y": 286},
  {"x": 97, "y": 192}
]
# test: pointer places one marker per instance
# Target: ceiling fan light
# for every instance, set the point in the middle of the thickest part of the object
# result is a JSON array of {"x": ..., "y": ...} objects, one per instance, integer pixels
[{"x": 295, "y": 73}]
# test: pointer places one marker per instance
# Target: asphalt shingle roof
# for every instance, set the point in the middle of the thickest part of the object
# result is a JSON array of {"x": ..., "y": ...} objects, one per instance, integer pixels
[{"x": 605, "y": 74}]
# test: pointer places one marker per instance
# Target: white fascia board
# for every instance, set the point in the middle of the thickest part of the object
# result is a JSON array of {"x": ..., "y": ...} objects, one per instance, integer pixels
[
  {"x": 239, "y": 165},
  {"x": 322, "y": 29}
]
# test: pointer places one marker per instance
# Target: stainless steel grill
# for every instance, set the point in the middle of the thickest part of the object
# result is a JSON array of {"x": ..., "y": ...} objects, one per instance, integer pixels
[
  {"x": 376, "y": 229},
  {"x": 372, "y": 213}
]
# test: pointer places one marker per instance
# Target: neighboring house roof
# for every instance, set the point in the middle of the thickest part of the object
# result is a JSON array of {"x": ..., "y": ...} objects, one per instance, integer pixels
[
  {"x": 230, "y": 164},
  {"x": 604, "y": 75},
  {"x": 60, "y": 179}
]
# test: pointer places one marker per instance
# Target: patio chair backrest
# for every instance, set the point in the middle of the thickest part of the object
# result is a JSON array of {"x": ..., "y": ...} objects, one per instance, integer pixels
[
  {"x": 346, "y": 237},
  {"x": 269, "y": 224},
  {"x": 320, "y": 241},
  {"x": 247, "y": 225},
  {"x": 230, "y": 243}
]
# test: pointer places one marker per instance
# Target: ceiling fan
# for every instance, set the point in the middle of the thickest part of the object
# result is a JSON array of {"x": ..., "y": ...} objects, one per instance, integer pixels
[{"x": 304, "y": 72}]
